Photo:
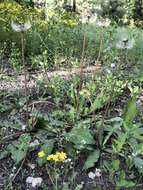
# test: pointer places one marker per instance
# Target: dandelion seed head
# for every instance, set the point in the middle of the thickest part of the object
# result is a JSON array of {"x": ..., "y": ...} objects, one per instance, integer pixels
[{"x": 20, "y": 27}]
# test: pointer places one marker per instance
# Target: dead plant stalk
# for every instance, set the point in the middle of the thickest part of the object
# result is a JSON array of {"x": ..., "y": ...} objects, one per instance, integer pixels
[
  {"x": 25, "y": 72},
  {"x": 82, "y": 61}
]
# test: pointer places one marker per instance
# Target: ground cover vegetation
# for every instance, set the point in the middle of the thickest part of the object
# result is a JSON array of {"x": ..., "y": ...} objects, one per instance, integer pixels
[{"x": 71, "y": 95}]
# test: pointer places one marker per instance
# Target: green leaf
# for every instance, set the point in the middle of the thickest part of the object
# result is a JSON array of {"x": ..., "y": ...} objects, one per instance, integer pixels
[
  {"x": 119, "y": 143},
  {"x": 125, "y": 184},
  {"x": 47, "y": 147},
  {"x": 109, "y": 135},
  {"x": 122, "y": 182},
  {"x": 99, "y": 102},
  {"x": 19, "y": 148},
  {"x": 138, "y": 163},
  {"x": 92, "y": 159},
  {"x": 80, "y": 136},
  {"x": 3, "y": 154},
  {"x": 130, "y": 113},
  {"x": 115, "y": 165},
  {"x": 8, "y": 124}
]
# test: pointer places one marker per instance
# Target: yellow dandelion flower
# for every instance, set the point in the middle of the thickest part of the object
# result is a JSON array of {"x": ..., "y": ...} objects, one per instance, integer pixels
[
  {"x": 62, "y": 156},
  {"x": 41, "y": 154},
  {"x": 58, "y": 157},
  {"x": 55, "y": 158},
  {"x": 70, "y": 22},
  {"x": 52, "y": 157}
]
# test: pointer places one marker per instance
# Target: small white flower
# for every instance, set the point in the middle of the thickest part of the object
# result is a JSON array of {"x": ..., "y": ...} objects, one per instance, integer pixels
[
  {"x": 69, "y": 159},
  {"x": 113, "y": 65},
  {"x": 23, "y": 127},
  {"x": 97, "y": 172},
  {"x": 20, "y": 27},
  {"x": 13, "y": 169},
  {"x": 32, "y": 166},
  {"x": 34, "y": 181},
  {"x": 91, "y": 175}
]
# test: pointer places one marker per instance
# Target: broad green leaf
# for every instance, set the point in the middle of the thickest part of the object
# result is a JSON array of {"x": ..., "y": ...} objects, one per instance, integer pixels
[
  {"x": 130, "y": 113},
  {"x": 48, "y": 146},
  {"x": 19, "y": 148},
  {"x": 92, "y": 159},
  {"x": 138, "y": 163},
  {"x": 80, "y": 136}
]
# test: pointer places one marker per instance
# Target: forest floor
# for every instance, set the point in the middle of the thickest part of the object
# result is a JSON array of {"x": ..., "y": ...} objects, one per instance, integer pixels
[
  {"x": 16, "y": 82},
  {"x": 13, "y": 83}
]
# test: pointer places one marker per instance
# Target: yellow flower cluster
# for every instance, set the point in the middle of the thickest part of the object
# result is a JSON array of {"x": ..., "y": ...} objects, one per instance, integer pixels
[
  {"x": 58, "y": 157},
  {"x": 70, "y": 22},
  {"x": 14, "y": 11}
]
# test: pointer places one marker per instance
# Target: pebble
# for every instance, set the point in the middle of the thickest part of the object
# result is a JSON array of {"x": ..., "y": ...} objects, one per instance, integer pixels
[
  {"x": 37, "y": 181},
  {"x": 97, "y": 173}
]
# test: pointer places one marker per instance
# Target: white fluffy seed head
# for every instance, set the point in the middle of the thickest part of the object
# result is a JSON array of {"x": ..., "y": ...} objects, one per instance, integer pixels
[{"x": 20, "y": 27}]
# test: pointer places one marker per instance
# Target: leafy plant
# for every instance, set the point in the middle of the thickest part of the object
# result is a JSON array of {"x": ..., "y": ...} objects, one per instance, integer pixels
[
  {"x": 81, "y": 137},
  {"x": 92, "y": 159},
  {"x": 47, "y": 147},
  {"x": 19, "y": 148}
]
